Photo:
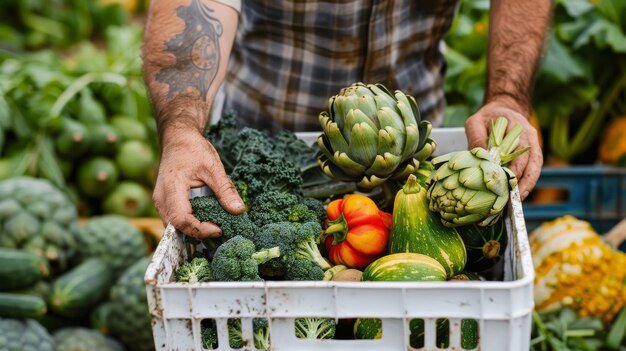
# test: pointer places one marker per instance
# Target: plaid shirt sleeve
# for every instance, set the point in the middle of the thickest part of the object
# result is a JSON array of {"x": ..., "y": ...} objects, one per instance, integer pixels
[{"x": 290, "y": 56}]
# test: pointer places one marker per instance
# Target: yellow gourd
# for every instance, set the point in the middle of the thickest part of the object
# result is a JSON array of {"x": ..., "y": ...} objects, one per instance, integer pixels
[{"x": 575, "y": 268}]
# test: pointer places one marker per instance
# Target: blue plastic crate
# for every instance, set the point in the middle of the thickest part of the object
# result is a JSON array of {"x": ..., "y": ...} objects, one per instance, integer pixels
[{"x": 594, "y": 193}]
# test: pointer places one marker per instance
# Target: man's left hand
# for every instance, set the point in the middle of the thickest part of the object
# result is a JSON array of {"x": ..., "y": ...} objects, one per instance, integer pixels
[{"x": 527, "y": 166}]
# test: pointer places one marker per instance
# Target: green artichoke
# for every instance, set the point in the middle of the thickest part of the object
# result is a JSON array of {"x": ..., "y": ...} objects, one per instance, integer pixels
[
  {"x": 371, "y": 135},
  {"x": 473, "y": 186}
]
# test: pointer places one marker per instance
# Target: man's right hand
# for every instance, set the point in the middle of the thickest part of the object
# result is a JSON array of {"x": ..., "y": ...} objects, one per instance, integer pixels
[{"x": 188, "y": 161}]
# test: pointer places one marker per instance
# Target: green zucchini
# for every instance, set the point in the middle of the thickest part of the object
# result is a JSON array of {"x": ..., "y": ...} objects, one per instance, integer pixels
[
  {"x": 404, "y": 267},
  {"x": 417, "y": 229},
  {"x": 21, "y": 306},
  {"x": 368, "y": 328},
  {"x": 372, "y": 328},
  {"x": 20, "y": 269},
  {"x": 77, "y": 291},
  {"x": 469, "y": 334},
  {"x": 485, "y": 245}
]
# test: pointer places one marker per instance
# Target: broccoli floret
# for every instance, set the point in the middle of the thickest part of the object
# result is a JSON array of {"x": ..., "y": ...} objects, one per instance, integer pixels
[
  {"x": 301, "y": 269},
  {"x": 197, "y": 270},
  {"x": 296, "y": 242},
  {"x": 279, "y": 206},
  {"x": 261, "y": 334},
  {"x": 209, "y": 338},
  {"x": 300, "y": 213},
  {"x": 279, "y": 234},
  {"x": 272, "y": 207},
  {"x": 237, "y": 260},
  {"x": 317, "y": 207},
  {"x": 208, "y": 209},
  {"x": 315, "y": 328},
  {"x": 263, "y": 173},
  {"x": 306, "y": 241}
]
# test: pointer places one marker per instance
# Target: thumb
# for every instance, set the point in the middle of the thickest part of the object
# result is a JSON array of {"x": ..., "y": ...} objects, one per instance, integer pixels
[
  {"x": 476, "y": 133},
  {"x": 225, "y": 191}
]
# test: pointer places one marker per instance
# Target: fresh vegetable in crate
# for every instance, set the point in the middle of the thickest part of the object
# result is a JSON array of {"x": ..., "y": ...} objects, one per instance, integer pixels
[
  {"x": 371, "y": 135},
  {"x": 485, "y": 246},
  {"x": 418, "y": 230},
  {"x": 404, "y": 267},
  {"x": 473, "y": 186},
  {"x": 356, "y": 231},
  {"x": 575, "y": 268}
]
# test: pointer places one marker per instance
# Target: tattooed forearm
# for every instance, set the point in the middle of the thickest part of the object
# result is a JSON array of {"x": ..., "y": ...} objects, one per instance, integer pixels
[{"x": 196, "y": 50}]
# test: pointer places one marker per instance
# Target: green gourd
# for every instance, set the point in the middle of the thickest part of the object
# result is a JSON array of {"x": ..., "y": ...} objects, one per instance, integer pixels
[{"x": 417, "y": 229}]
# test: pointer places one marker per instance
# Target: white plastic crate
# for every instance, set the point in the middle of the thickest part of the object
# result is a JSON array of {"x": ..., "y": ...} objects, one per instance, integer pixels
[{"x": 503, "y": 309}]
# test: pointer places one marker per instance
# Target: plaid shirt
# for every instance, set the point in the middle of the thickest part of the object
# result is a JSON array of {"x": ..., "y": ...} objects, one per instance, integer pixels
[{"x": 290, "y": 56}]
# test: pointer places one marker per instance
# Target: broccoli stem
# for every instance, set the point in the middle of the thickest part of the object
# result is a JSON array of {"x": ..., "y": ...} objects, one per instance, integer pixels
[
  {"x": 308, "y": 250},
  {"x": 265, "y": 255}
]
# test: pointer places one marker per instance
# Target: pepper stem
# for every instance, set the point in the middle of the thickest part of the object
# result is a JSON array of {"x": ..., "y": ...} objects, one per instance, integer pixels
[{"x": 338, "y": 229}]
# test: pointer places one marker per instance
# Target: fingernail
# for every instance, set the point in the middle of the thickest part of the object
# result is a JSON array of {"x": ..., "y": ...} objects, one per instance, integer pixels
[
  {"x": 525, "y": 195},
  {"x": 236, "y": 205}
]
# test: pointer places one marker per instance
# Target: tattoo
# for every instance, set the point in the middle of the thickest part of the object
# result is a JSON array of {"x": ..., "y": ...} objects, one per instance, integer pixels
[{"x": 196, "y": 50}]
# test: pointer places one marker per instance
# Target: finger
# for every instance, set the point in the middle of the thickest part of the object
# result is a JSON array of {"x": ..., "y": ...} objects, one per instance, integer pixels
[
  {"x": 476, "y": 133},
  {"x": 532, "y": 171},
  {"x": 519, "y": 164},
  {"x": 224, "y": 190},
  {"x": 178, "y": 209}
]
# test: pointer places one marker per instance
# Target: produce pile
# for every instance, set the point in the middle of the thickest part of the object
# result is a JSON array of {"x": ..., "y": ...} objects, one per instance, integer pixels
[
  {"x": 444, "y": 221},
  {"x": 82, "y": 120},
  {"x": 67, "y": 286}
]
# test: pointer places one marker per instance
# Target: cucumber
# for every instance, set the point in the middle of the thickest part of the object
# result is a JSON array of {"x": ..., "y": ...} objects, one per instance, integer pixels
[
  {"x": 20, "y": 269},
  {"x": 21, "y": 306},
  {"x": 41, "y": 289},
  {"x": 99, "y": 318},
  {"x": 404, "y": 267},
  {"x": 77, "y": 291},
  {"x": 417, "y": 229}
]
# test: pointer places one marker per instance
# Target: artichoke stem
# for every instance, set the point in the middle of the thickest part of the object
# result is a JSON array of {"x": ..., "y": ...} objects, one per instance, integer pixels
[{"x": 338, "y": 229}]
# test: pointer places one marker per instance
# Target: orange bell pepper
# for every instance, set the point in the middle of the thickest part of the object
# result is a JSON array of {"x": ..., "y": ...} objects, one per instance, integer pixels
[{"x": 356, "y": 231}]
